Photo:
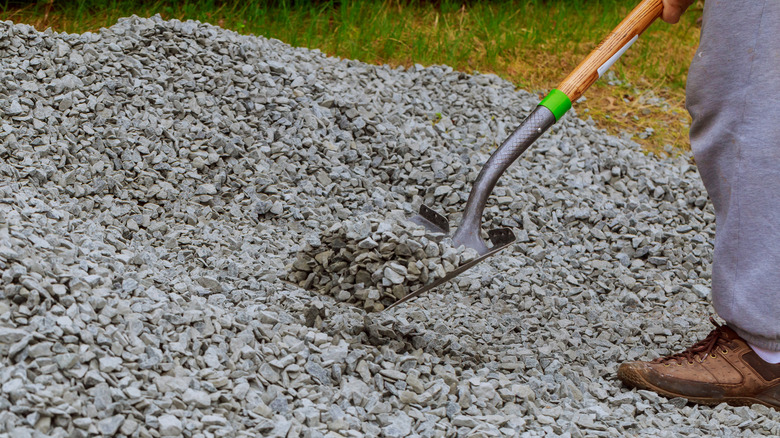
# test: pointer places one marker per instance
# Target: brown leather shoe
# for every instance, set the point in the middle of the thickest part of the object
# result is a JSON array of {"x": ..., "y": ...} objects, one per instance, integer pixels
[{"x": 720, "y": 368}]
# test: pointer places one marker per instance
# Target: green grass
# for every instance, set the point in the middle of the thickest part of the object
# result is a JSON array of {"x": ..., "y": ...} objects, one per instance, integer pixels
[{"x": 534, "y": 43}]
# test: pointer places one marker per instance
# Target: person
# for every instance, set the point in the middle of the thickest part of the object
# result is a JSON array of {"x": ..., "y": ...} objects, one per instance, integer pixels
[{"x": 733, "y": 95}]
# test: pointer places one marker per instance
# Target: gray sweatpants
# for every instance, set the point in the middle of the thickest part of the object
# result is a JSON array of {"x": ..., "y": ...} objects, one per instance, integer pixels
[{"x": 734, "y": 99}]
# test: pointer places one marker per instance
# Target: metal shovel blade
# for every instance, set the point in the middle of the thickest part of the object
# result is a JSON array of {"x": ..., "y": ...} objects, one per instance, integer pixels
[
  {"x": 500, "y": 238},
  {"x": 469, "y": 232}
]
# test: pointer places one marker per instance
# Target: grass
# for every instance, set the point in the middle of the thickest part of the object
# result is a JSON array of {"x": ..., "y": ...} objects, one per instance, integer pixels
[{"x": 533, "y": 43}]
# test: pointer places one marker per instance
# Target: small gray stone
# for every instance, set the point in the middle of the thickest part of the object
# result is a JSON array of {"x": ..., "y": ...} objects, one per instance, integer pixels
[
  {"x": 206, "y": 189},
  {"x": 110, "y": 364},
  {"x": 200, "y": 399},
  {"x": 169, "y": 425},
  {"x": 393, "y": 276},
  {"x": 8, "y": 253},
  {"x": 14, "y": 109},
  {"x": 210, "y": 283},
  {"x": 523, "y": 391},
  {"x": 129, "y": 284},
  {"x": 318, "y": 373},
  {"x": 700, "y": 290},
  {"x": 268, "y": 373},
  {"x": 129, "y": 426},
  {"x": 11, "y": 335},
  {"x": 214, "y": 420},
  {"x": 109, "y": 426},
  {"x": 464, "y": 421},
  {"x": 279, "y": 404}
]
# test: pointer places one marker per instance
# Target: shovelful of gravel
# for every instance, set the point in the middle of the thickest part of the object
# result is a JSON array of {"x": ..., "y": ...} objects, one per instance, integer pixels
[
  {"x": 373, "y": 261},
  {"x": 197, "y": 226}
]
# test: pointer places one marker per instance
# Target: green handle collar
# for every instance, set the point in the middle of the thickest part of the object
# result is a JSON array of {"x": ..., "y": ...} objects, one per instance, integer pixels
[{"x": 557, "y": 102}]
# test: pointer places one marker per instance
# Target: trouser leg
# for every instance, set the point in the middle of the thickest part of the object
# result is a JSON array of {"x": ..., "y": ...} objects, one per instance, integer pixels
[{"x": 734, "y": 99}]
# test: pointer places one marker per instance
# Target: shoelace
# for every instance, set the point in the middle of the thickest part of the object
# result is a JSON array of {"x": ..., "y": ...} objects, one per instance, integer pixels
[{"x": 701, "y": 350}]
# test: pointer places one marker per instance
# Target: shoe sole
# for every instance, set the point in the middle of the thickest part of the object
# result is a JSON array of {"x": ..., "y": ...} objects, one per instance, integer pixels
[{"x": 638, "y": 381}]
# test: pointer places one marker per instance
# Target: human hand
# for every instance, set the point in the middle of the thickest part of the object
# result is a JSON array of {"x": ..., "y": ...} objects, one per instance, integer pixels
[{"x": 673, "y": 9}]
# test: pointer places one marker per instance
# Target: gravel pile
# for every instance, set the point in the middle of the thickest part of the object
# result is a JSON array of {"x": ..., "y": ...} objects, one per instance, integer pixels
[
  {"x": 159, "y": 178},
  {"x": 374, "y": 261}
]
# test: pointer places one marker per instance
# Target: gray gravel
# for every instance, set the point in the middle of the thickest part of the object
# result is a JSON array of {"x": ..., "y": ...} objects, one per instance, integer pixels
[{"x": 160, "y": 179}]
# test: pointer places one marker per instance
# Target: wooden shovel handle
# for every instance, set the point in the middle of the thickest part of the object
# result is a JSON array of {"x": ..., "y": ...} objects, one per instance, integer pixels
[{"x": 632, "y": 26}]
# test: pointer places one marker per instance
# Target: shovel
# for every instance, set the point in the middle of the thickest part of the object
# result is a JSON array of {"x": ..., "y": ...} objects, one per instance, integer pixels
[{"x": 549, "y": 111}]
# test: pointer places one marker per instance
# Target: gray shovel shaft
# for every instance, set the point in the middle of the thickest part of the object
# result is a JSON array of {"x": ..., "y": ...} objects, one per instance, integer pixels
[{"x": 532, "y": 127}]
